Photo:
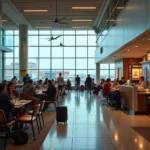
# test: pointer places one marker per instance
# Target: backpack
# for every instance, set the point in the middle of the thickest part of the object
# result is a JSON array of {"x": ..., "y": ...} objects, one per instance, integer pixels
[{"x": 20, "y": 137}]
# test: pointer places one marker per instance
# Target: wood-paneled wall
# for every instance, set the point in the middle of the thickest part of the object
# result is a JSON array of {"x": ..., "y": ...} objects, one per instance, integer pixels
[{"x": 123, "y": 65}]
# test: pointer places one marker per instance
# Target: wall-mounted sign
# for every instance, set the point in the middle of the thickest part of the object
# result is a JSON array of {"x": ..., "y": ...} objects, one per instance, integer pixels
[
  {"x": 135, "y": 72},
  {"x": 148, "y": 56}
]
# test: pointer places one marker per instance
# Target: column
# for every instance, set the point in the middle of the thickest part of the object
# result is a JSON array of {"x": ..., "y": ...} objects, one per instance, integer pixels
[
  {"x": 97, "y": 73},
  {"x": 23, "y": 49}
]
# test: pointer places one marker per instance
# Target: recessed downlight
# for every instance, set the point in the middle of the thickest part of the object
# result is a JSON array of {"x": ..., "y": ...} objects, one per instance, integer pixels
[{"x": 136, "y": 46}]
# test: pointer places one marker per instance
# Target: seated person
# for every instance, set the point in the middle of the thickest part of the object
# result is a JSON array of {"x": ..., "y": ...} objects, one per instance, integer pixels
[
  {"x": 39, "y": 85},
  {"x": 29, "y": 90},
  {"x": 115, "y": 85},
  {"x": 45, "y": 82},
  {"x": 142, "y": 82},
  {"x": 106, "y": 87},
  {"x": 11, "y": 90},
  {"x": 68, "y": 84},
  {"x": 14, "y": 80},
  {"x": 122, "y": 81},
  {"x": 50, "y": 94},
  {"x": 5, "y": 103}
]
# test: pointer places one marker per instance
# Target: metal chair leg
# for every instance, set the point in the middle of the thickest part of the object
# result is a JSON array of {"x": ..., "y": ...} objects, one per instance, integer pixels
[
  {"x": 37, "y": 125},
  {"x": 33, "y": 131},
  {"x": 40, "y": 122},
  {"x": 42, "y": 119},
  {"x": 5, "y": 141}
]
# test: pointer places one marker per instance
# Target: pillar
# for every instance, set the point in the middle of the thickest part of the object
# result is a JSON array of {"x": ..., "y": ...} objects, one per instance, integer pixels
[
  {"x": 97, "y": 73},
  {"x": 23, "y": 49}
]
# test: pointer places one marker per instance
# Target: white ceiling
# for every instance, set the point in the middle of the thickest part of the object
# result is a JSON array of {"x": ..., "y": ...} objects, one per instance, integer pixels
[{"x": 64, "y": 10}]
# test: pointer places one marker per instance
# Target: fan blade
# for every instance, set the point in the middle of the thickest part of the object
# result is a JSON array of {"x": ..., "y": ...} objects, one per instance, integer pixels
[
  {"x": 62, "y": 22},
  {"x": 62, "y": 19},
  {"x": 57, "y": 36}
]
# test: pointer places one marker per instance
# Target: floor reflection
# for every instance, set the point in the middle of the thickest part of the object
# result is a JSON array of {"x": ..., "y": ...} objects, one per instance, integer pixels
[{"x": 95, "y": 127}]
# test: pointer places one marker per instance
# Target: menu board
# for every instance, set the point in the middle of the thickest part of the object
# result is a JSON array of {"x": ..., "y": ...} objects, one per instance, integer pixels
[{"x": 135, "y": 72}]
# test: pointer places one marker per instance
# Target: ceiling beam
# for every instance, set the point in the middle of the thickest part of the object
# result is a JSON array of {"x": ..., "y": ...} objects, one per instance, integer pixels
[{"x": 11, "y": 11}]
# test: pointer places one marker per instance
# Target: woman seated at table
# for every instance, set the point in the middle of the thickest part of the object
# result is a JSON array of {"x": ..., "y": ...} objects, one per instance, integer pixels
[
  {"x": 115, "y": 85},
  {"x": 50, "y": 94},
  {"x": 5, "y": 103},
  {"x": 11, "y": 90},
  {"x": 142, "y": 82}
]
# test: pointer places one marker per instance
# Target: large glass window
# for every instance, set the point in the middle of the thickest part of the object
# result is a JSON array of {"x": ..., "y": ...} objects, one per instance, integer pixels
[{"x": 46, "y": 59}]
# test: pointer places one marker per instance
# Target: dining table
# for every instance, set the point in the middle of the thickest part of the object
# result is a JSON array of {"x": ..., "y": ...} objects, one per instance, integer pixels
[{"x": 21, "y": 106}]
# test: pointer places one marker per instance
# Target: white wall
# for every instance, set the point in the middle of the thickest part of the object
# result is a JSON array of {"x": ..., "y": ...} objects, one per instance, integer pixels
[{"x": 132, "y": 21}]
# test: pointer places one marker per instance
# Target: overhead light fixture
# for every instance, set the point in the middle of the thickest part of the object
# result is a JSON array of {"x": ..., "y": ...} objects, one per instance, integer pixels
[
  {"x": 136, "y": 46},
  {"x": 80, "y": 27},
  {"x": 78, "y": 20},
  {"x": 35, "y": 10},
  {"x": 89, "y": 8},
  {"x": 43, "y": 27},
  {"x": 119, "y": 7},
  {"x": 4, "y": 20}
]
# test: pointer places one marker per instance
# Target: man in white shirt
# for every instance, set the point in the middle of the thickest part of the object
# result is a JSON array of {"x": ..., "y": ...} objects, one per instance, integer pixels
[{"x": 60, "y": 82}]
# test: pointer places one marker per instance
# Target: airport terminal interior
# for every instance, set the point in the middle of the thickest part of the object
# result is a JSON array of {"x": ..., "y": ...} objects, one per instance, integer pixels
[{"x": 75, "y": 74}]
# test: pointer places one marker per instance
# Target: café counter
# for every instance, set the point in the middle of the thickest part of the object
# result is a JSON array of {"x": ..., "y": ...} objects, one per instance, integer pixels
[{"x": 133, "y": 101}]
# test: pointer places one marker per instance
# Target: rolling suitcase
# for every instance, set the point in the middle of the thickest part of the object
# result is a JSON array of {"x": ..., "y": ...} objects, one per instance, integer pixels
[
  {"x": 61, "y": 114},
  {"x": 82, "y": 88}
]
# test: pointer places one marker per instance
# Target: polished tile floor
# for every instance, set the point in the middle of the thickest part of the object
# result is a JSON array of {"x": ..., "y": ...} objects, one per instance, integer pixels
[{"x": 95, "y": 127}]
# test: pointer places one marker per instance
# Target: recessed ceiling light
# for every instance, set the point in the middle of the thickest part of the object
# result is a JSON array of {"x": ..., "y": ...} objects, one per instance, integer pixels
[
  {"x": 119, "y": 7},
  {"x": 136, "y": 46},
  {"x": 91, "y": 8},
  {"x": 36, "y": 10},
  {"x": 88, "y": 20},
  {"x": 43, "y": 27},
  {"x": 80, "y": 27}
]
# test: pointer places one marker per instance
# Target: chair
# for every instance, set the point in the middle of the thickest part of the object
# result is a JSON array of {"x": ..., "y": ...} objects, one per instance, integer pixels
[
  {"x": 31, "y": 118},
  {"x": 52, "y": 102},
  {"x": 5, "y": 126},
  {"x": 40, "y": 113},
  {"x": 105, "y": 100}
]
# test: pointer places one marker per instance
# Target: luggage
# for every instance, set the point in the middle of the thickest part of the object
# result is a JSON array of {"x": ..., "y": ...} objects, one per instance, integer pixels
[
  {"x": 20, "y": 137},
  {"x": 82, "y": 88},
  {"x": 61, "y": 114},
  {"x": 117, "y": 100}
]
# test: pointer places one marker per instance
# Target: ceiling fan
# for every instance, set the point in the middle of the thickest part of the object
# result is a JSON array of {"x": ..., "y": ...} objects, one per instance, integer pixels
[
  {"x": 61, "y": 44},
  {"x": 53, "y": 38},
  {"x": 59, "y": 21}
]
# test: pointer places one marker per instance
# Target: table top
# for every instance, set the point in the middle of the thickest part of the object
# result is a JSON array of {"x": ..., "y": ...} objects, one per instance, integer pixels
[
  {"x": 19, "y": 84},
  {"x": 21, "y": 103},
  {"x": 41, "y": 91}
]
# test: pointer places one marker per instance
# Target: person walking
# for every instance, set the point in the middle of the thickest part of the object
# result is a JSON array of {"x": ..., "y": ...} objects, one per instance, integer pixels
[
  {"x": 88, "y": 83},
  {"x": 60, "y": 82},
  {"x": 77, "y": 80}
]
